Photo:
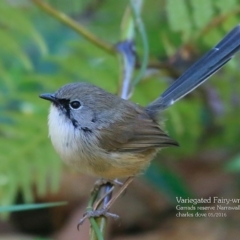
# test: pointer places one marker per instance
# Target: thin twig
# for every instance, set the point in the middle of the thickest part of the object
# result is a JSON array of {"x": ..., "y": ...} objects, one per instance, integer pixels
[
  {"x": 100, "y": 200},
  {"x": 121, "y": 190},
  {"x": 60, "y": 16}
]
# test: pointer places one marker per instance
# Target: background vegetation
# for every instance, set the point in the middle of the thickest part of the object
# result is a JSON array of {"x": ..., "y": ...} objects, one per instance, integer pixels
[{"x": 39, "y": 54}]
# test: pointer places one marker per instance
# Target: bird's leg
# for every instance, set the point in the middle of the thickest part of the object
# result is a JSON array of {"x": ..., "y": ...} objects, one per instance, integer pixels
[
  {"x": 98, "y": 202},
  {"x": 104, "y": 211},
  {"x": 102, "y": 181},
  {"x": 118, "y": 193}
]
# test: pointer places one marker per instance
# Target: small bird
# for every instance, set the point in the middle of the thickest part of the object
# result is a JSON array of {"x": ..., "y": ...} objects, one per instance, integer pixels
[{"x": 103, "y": 135}]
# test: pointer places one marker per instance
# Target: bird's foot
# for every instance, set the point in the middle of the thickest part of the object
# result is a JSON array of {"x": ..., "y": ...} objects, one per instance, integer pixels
[{"x": 97, "y": 213}]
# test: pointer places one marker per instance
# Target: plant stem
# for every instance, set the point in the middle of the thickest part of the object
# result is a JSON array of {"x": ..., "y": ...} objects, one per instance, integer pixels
[
  {"x": 99, "y": 224},
  {"x": 136, "y": 9}
]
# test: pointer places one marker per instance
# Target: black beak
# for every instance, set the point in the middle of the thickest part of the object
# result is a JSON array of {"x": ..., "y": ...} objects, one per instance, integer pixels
[{"x": 50, "y": 97}]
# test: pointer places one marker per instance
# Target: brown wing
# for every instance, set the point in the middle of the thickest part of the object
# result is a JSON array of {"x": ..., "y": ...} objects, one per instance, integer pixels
[{"x": 134, "y": 132}]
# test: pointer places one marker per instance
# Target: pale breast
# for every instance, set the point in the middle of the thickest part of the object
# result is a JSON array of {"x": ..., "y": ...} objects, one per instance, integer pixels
[
  {"x": 73, "y": 146},
  {"x": 82, "y": 151}
]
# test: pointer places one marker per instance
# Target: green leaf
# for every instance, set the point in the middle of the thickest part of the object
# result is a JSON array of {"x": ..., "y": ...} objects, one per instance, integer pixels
[
  {"x": 179, "y": 17},
  {"x": 212, "y": 37},
  {"x": 202, "y": 12},
  {"x": 11, "y": 46},
  {"x": 16, "y": 23},
  {"x": 223, "y": 7},
  {"x": 24, "y": 207}
]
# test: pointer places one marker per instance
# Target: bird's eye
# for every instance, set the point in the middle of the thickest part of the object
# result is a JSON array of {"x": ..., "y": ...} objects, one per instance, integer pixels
[{"x": 75, "y": 104}]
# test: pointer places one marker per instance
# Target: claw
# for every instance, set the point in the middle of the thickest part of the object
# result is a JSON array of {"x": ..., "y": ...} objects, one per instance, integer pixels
[
  {"x": 104, "y": 211},
  {"x": 96, "y": 213}
]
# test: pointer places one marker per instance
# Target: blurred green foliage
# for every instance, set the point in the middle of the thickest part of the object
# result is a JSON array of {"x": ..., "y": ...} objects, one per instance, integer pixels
[{"x": 38, "y": 54}]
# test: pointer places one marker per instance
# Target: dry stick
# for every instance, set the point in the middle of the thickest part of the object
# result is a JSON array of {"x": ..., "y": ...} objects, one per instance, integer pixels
[
  {"x": 119, "y": 192},
  {"x": 115, "y": 196}
]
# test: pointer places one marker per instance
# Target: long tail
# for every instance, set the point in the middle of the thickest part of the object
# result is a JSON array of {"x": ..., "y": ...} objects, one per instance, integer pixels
[{"x": 199, "y": 72}]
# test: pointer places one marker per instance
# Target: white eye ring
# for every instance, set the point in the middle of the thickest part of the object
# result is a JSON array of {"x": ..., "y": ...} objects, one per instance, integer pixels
[{"x": 75, "y": 104}]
